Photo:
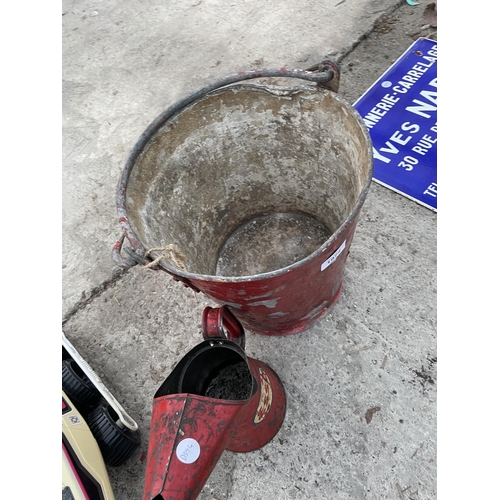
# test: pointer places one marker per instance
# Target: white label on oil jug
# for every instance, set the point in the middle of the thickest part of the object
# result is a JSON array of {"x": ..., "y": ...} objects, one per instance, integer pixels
[
  {"x": 333, "y": 258},
  {"x": 188, "y": 451}
]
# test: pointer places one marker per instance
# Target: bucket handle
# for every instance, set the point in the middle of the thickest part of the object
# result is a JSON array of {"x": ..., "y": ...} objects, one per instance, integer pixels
[
  {"x": 326, "y": 74},
  {"x": 217, "y": 320},
  {"x": 334, "y": 83},
  {"x": 117, "y": 256}
]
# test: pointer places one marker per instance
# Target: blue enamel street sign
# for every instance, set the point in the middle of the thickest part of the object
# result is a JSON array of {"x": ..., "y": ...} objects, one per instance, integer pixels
[{"x": 400, "y": 111}]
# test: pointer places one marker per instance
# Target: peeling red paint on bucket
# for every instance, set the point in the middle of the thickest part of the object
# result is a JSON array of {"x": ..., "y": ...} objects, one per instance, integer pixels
[
  {"x": 258, "y": 189},
  {"x": 290, "y": 301}
]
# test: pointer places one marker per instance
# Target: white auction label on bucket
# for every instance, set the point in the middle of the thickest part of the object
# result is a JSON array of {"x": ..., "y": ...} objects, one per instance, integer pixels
[{"x": 333, "y": 258}]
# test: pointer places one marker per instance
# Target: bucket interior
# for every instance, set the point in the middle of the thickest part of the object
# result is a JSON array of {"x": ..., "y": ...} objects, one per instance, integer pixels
[{"x": 249, "y": 179}]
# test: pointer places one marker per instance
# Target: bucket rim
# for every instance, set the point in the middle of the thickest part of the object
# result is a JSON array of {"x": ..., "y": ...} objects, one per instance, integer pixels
[{"x": 189, "y": 101}]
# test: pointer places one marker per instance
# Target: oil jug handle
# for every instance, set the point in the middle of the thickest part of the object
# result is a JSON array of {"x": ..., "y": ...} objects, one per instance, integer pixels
[{"x": 216, "y": 321}]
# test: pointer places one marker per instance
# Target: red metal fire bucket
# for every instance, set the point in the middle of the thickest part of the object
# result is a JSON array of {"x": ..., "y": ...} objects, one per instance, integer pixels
[
  {"x": 251, "y": 194},
  {"x": 215, "y": 399}
]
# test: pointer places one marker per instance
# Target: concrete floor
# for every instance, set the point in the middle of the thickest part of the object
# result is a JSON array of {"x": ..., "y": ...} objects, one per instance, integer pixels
[{"x": 124, "y": 63}]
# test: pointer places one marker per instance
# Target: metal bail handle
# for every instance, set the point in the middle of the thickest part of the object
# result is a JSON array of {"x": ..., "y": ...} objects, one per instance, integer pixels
[
  {"x": 217, "y": 320},
  {"x": 324, "y": 66}
]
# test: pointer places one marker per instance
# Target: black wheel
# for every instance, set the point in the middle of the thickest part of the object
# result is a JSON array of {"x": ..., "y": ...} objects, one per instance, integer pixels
[
  {"x": 77, "y": 385},
  {"x": 117, "y": 444}
]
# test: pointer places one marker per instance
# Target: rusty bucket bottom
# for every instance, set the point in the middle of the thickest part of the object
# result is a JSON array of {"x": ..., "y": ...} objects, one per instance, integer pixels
[{"x": 267, "y": 243}]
